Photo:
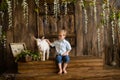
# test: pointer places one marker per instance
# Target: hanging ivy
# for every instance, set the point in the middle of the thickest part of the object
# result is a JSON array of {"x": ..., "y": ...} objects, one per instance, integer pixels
[
  {"x": 46, "y": 10},
  {"x": 25, "y": 11},
  {"x": 69, "y": 1},
  {"x": 83, "y": 5},
  {"x": 10, "y": 23},
  {"x": 118, "y": 14},
  {"x": 3, "y": 5},
  {"x": 56, "y": 8},
  {"x": 103, "y": 14},
  {"x": 37, "y": 3},
  {"x": 65, "y": 5},
  {"x": 106, "y": 13},
  {"x": 118, "y": 18},
  {"x": 112, "y": 19},
  {"x": 95, "y": 11},
  {"x": 98, "y": 38},
  {"x": 37, "y": 6}
]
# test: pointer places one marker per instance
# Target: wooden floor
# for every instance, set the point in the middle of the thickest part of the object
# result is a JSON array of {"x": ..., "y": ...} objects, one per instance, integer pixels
[{"x": 79, "y": 68}]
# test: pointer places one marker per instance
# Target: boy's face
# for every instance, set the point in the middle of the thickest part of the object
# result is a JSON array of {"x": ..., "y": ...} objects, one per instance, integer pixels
[{"x": 61, "y": 36}]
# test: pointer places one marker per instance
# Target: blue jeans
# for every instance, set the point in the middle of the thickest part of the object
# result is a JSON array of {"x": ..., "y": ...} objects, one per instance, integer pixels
[{"x": 64, "y": 59}]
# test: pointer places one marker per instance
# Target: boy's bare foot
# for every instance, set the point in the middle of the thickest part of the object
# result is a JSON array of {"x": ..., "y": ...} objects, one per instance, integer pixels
[
  {"x": 60, "y": 72},
  {"x": 65, "y": 72}
]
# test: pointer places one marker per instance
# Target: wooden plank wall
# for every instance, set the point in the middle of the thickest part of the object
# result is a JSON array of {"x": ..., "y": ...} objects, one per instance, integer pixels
[
  {"x": 82, "y": 43},
  {"x": 87, "y": 43},
  {"x": 21, "y": 33},
  {"x": 50, "y": 26}
]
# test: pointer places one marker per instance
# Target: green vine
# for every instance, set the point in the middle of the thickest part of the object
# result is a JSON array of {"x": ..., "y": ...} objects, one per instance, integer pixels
[
  {"x": 2, "y": 38},
  {"x": 37, "y": 6},
  {"x": 70, "y": 1},
  {"x": 118, "y": 15},
  {"x": 112, "y": 16},
  {"x": 3, "y": 5}
]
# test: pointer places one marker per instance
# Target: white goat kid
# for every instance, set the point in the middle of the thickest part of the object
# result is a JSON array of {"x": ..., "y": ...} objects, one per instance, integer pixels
[{"x": 43, "y": 48}]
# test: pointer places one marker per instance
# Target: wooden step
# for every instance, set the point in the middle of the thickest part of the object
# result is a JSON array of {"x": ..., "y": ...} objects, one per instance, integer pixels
[
  {"x": 72, "y": 75},
  {"x": 50, "y": 66},
  {"x": 56, "y": 70},
  {"x": 76, "y": 65},
  {"x": 53, "y": 65},
  {"x": 73, "y": 60},
  {"x": 79, "y": 68},
  {"x": 51, "y": 62}
]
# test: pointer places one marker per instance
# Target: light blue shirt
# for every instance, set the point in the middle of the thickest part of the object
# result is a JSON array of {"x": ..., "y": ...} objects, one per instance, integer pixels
[{"x": 61, "y": 46}]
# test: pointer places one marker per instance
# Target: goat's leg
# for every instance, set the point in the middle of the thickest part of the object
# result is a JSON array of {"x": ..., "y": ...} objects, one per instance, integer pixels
[
  {"x": 43, "y": 59},
  {"x": 48, "y": 54}
]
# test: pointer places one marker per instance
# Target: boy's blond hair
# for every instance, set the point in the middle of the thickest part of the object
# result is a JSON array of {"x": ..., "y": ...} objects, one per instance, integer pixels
[{"x": 64, "y": 32}]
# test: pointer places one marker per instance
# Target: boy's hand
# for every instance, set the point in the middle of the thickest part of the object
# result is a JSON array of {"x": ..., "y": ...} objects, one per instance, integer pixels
[{"x": 65, "y": 54}]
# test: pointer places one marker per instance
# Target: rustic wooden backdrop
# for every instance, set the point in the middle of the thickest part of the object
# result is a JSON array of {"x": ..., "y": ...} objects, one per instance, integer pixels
[{"x": 83, "y": 44}]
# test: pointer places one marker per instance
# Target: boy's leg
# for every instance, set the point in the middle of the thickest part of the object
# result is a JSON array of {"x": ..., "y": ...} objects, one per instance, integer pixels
[
  {"x": 60, "y": 68},
  {"x": 59, "y": 62},
  {"x": 66, "y": 59},
  {"x": 64, "y": 68}
]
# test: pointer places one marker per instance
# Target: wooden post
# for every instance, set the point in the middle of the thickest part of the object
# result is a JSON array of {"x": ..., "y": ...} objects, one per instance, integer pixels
[
  {"x": 79, "y": 28},
  {"x": 37, "y": 15}
]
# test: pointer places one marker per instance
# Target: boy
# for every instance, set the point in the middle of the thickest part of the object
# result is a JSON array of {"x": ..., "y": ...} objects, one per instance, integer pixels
[{"x": 63, "y": 48}]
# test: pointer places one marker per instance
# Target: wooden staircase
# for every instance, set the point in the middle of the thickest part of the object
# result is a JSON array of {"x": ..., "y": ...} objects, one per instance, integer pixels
[
  {"x": 78, "y": 68},
  {"x": 50, "y": 65}
]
